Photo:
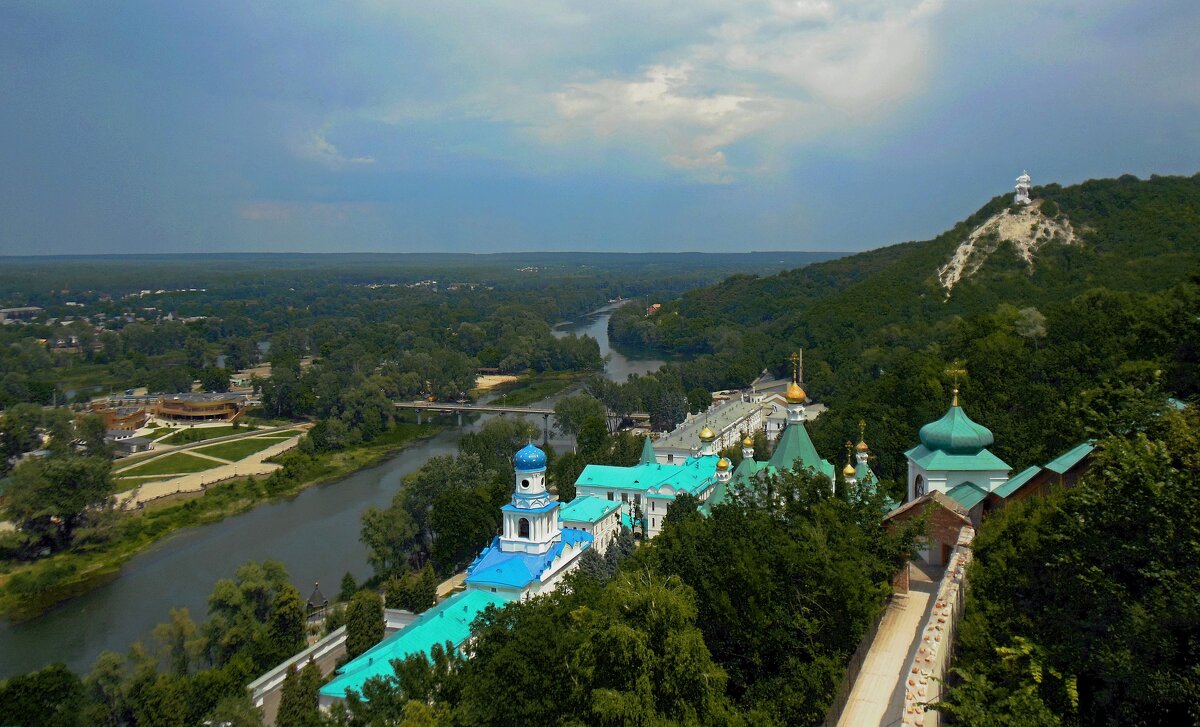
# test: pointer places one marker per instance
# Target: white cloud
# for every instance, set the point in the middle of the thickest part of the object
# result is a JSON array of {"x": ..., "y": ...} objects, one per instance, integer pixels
[
  {"x": 770, "y": 75},
  {"x": 316, "y": 147},
  {"x": 687, "y": 87}
]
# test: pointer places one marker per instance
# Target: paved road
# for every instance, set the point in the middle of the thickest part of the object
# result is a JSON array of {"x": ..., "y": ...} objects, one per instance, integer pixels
[{"x": 877, "y": 698}]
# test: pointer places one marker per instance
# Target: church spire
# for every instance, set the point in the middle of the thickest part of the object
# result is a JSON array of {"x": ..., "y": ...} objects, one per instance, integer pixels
[{"x": 648, "y": 454}]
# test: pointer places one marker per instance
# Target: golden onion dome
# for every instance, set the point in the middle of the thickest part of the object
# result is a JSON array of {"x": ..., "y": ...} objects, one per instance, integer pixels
[
  {"x": 707, "y": 435},
  {"x": 861, "y": 446},
  {"x": 795, "y": 394},
  {"x": 848, "y": 470},
  {"x": 748, "y": 441},
  {"x": 723, "y": 464}
]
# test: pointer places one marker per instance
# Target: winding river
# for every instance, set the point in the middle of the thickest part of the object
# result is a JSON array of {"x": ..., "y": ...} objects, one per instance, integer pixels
[{"x": 314, "y": 534}]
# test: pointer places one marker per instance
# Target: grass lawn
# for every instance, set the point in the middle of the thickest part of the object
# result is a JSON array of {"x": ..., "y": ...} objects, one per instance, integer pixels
[
  {"x": 285, "y": 434},
  {"x": 239, "y": 448},
  {"x": 199, "y": 434},
  {"x": 174, "y": 463}
]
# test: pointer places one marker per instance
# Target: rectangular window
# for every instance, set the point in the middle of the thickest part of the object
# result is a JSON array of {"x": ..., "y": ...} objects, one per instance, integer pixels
[
  {"x": 624, "y": 497},
  {"x": 610, "y": 496},
  {"x": 637, "y": 499},
  {"x": 653, "y": 522}
]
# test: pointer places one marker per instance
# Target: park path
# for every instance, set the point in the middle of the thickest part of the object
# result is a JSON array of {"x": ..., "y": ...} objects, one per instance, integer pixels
[
  {"x": 254, "y": 464},
  {"x": 877, "y": 697},
  {"x": 161, "y": 449}
]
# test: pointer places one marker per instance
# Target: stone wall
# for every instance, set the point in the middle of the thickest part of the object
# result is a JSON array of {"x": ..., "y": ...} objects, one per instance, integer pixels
[{"x": 923, "y": 679}]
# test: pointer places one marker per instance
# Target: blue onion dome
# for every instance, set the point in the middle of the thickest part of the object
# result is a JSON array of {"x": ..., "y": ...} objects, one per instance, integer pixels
[
  {"x": 955, "y": 433},
  {"x": 530, "y": 459}
]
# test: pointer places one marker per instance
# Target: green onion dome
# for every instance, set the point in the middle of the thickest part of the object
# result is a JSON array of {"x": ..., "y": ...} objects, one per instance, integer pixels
[{"x": 955, "y": 433}]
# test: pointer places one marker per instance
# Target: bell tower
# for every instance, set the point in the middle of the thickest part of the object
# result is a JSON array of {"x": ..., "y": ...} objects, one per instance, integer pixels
[{"x": 531, "y": 518}]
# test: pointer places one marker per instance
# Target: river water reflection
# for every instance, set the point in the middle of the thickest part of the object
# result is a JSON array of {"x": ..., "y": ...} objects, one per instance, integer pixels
[{"x": 314, "y": 534}]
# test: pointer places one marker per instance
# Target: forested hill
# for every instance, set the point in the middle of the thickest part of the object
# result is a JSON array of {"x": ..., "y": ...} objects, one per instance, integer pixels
[
  {"x": 1134, "y": 236},
  {"x": 1099, "y": 289}
]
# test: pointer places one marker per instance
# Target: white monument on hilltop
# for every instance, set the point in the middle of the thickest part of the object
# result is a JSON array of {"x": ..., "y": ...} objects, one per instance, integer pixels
[{"x": 1022, "y": 189}]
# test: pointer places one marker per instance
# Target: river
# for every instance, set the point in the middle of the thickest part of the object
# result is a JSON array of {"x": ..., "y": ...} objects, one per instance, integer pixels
[{"x": 314, "y": 534}]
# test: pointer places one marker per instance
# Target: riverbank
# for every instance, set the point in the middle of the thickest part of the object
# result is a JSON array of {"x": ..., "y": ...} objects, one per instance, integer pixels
[
  {"x": 538, "y": 387},
  {"x": 27, "y": 591}
]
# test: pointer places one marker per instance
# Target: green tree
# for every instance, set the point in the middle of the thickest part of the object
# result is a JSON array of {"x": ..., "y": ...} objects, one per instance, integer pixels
[
  {"x": 180, "y": 644},
  {"x": 18, "y": 432},
  {"x": 393, "y": 541},
  {"x": 50, "y": 498},
  {"x": 364, "y": 622},
  {"x": 1116, "y": 557},
  {"x": 570, "y": 413},
  {"x": 214, "y": 379},
  {"x": 286, "y": 624},
  {"x": 53, "y": 696},
  {"x": 349, "y": 587},
  {"x": 699, "y": 399},
  {"x": 679, "y": 508},
  {"x": 414, "y": 591},
  {"x": 236, "y": 710},
  {"x": 298, "y": 701}
]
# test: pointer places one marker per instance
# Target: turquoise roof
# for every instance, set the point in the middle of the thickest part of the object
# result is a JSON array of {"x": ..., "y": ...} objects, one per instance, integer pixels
[
  {"x": 449, "y": 621},
  {"x": 494, "y": 567},
  {"x": 937, "y": 460},
  {"x": 693, "y": 476},
  {"x": 529, "y": 459},
  {"x": 968, "y": 494},
  {"x": 955, "y": 433},
  {"x": 648, "y": 455},
  {"x": 587, "y": 509},
  {"x": 795, "y": 450},
  {"x": 1016, "y": 482},
  {"x": 1066, "y": 461}
]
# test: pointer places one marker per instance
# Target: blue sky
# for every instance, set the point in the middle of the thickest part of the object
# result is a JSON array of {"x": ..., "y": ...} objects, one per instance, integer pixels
[{"x": 461, "y": 125}]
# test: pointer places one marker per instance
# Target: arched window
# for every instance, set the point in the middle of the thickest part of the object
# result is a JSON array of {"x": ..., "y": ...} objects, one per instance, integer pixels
[
  {"x": 523, "y": 528},
  {"x": 919, "y": 486}
]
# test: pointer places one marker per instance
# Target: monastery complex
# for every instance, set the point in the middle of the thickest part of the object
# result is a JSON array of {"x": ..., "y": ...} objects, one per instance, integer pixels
[{"x": 543, "y": 539}]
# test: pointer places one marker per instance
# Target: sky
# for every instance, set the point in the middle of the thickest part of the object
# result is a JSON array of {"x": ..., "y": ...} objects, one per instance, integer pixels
[{"x": 476, "y": 126}]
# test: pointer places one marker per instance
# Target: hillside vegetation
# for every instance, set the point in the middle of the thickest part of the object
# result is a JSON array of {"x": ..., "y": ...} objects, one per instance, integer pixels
[{"x": 1041, "y": 340}]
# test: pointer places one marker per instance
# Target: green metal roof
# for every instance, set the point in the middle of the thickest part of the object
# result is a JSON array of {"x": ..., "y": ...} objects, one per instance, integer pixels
[
  {"x": 795, "y": 450},
  {"x": 955, "y": 433},
  {"x": 587, "y": 509},
  {"x": 1017, "y": 482},
  {"x": 648, "y": 456},
  {"x": 1066, "y": 461},
  {"x": 449, "y": 621},
  {"x": 937, "y": 460},
  {"x": 968, "y": 494}
]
